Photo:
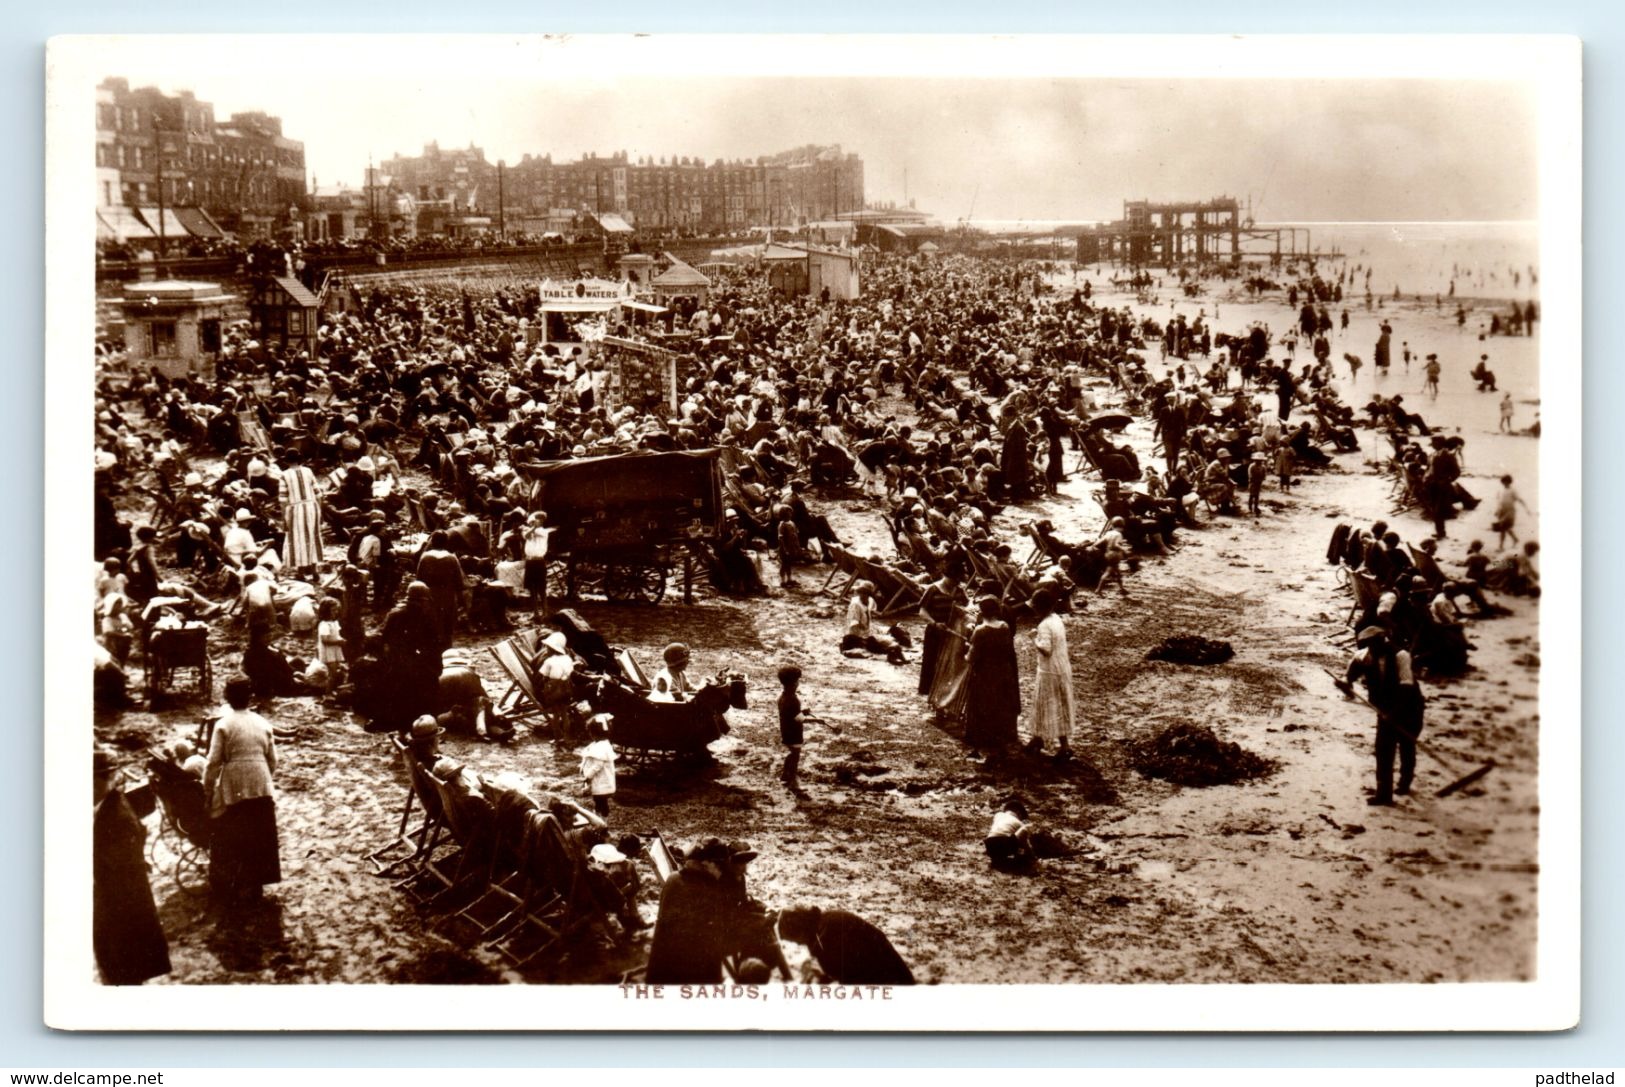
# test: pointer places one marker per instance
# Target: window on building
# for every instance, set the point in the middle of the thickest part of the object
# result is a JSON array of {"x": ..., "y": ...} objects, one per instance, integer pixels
[
  {"x": 208, "y": 333},
  {"x": 161, "y": 339},
  {"x": 119, "y": 150},
  {"x": 107, "y": 194}
]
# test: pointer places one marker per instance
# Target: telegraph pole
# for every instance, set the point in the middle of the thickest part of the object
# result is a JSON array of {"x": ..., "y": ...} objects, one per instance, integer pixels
[
  {"x": 158, "y": 155},
  {"x": 372, "y": 205},
  {"x": 502, "y": 220}
]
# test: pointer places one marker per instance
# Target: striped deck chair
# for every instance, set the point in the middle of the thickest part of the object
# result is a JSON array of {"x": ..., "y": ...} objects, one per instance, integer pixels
[{"x": 520, "y": 700}]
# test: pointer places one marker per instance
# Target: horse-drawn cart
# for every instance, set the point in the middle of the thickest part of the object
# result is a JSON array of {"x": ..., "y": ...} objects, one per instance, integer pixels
[{"x": 623, "y": 523}]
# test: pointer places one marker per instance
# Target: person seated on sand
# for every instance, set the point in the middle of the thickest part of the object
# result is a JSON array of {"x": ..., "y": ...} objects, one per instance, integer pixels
[
  {"x": 844, "y": 948},
  {"x": 860, "y": 635},
  {"x": 1517, "y": 574},
  {"x": 1014, "y": 843}
]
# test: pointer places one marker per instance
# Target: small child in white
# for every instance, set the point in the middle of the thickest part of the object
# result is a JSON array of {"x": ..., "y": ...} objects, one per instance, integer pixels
[{"x": 598, "y": 764}]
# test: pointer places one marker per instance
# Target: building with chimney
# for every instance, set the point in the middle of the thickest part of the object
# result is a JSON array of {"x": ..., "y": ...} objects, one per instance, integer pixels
[{"x": 241, "y": 174}]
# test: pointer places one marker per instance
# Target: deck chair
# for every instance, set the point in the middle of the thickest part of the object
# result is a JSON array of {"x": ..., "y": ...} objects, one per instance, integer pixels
[
  {"x": 845, "y": 563},
  {"x": 406, "y": 843},
  {"x": 1428, "y": 567},
  {"x": 520, "y": 700},
  {"x": 551, "y": 892},
  {"x": 496, "y": 909},
  {"x": 421, "y": 881},
  {"x": 661, "y": 857},
  {"x": 899, "y": 594},
  {"x": 1040, "y": 556},
  {"x": 472, "y": 825},
  {"x": 1366, "y": 589}
]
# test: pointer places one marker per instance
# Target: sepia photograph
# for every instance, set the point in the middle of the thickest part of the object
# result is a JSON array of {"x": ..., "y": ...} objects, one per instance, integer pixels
[{"x": 865, "y": 533}]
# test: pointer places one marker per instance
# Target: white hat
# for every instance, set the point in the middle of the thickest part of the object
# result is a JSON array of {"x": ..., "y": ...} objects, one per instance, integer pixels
[
  {"x": 605, "y": 853},
  {"x": 194, "y": 479},
  {"x": 556, "y": 641},
  {"x": 244, "y": 515},
  {"x": 366, "y": 464}
]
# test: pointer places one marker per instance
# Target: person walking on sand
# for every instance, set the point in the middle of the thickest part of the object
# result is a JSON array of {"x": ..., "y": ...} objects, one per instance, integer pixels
[
  {"x": 1391, "y": 690},
  {"x": 1431, "y": 385},
  {"x": 1053, "y": 711},
  {"x": 1506, "y": 414},
  {"x": 1507, "y": 502}
]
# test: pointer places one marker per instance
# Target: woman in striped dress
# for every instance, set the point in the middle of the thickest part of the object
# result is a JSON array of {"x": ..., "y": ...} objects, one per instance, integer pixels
[{"x": 302, "y": 511}]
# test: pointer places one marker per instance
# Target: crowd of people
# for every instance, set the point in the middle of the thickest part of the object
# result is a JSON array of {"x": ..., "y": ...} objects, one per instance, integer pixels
[{"x": 354, "y": 510}]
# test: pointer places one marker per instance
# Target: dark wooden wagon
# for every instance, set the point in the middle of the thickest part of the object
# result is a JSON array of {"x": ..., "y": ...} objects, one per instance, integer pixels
[
  {"x": 641, "y": 727},
  {"x": 622, "y": 524}
]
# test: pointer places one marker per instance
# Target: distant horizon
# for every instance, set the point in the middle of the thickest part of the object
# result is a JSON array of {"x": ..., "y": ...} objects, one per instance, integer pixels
[{"x": 1300, "y": 149}]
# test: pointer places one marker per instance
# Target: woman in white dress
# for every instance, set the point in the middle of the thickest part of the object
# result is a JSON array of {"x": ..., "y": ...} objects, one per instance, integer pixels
[{"x": 1052, "y": 697}]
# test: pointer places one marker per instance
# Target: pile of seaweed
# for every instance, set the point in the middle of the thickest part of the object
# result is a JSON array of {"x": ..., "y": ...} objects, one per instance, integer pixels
[
  {"x": 1188, "y": 754},
  {"x": 1191, "y": 649}
]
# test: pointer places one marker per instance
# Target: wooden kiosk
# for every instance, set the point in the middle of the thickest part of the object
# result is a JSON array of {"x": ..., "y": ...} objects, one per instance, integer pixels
[{"x": 173, "y": 326}]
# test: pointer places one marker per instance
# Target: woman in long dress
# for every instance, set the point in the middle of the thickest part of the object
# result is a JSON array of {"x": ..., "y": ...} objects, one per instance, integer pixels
[
  {"x": 992, "y": 686},
  {"x": 302, "y": 513},
  {"x": 1052, "y": 695},
  {"x": 242, "y": 758}
]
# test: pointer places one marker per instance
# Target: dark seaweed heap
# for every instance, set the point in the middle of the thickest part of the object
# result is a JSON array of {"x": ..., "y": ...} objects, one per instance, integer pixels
[
  {"x": 1188, "y": 754},
  {"x": 1191, "y": 649}
]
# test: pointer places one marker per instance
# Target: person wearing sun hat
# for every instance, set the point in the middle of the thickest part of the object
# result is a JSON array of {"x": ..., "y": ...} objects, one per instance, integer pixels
[{"x": 705, "y": 916}]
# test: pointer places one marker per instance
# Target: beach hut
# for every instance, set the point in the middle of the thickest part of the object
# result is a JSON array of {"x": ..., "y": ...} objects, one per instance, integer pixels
[
  {"x": 681, "y": 281},
  {"x": 284, "y": 311}
]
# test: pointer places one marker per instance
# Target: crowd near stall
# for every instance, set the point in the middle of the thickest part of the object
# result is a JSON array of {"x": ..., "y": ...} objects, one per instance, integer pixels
[{"x": 457, "y": 470}]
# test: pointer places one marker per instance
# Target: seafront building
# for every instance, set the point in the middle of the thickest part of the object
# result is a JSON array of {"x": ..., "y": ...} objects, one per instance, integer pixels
[{"x": 240, "y": 175}]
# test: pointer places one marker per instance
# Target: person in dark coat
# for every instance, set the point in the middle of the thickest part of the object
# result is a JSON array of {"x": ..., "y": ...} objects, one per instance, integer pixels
[
  {"x": 992, "y": 683},
  {"x": 705, "y": 917},
  {"x": 128, "y": 938},
  {"x": 1015, "y": 465},
  {"x": 441, "y": 571},
  {"x": 410, "y": 659},
  {"x": 848, "y": 949}
]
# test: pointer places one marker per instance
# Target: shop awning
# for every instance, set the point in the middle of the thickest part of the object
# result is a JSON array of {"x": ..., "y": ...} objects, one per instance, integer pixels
[
  {"x": 614, "y": 224},
  {"x": 122, "y": 223},
  {"x": 198, "y": 222},
  {"x": 644, "y": 307},
  {"x": 173, "y": 227}
]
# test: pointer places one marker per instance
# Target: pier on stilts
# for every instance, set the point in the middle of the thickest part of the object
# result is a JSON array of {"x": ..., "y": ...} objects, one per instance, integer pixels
[{"x": 1200, "y": 232}]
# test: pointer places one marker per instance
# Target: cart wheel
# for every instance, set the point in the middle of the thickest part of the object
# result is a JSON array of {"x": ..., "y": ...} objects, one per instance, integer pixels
[
  {"x": 587, "y": 577},
  {"x": 649, "y": 583}
]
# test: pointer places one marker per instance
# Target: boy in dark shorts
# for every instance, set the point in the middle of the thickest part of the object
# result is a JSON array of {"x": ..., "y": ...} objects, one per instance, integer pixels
[{"x": 791, "y": 721}]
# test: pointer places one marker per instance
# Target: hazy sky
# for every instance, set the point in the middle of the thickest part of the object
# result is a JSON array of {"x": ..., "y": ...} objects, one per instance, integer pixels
[{"x": 1302, "y": 149}]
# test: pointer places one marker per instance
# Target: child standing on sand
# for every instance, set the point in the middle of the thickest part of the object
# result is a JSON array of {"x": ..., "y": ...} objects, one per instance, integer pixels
[
  {"x": 1257, "y": 471},
  {"x": 792, "y": 733},
  {"x": 1284, "y": 464}
]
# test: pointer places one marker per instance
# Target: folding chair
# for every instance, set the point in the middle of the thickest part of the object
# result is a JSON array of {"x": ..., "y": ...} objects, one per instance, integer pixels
[
  {"x": 845, "y": 563},
  {"x": 551, "y": 910},
  {"x": 386, "y": 858},
  {"x": 418, "y": 867},
  {"x": 661, "y": 857},
  {"x": 496, "y": 909},
  {"x": 1039, "y": 557},
  {"x": 1428, "y": 567},
  {"x": 1367, "y": 591},
  {"x": 520, "y": 700},
  {"x": 900, "y": 593}
]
